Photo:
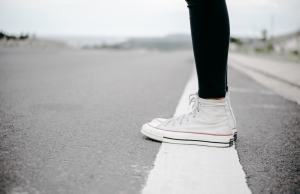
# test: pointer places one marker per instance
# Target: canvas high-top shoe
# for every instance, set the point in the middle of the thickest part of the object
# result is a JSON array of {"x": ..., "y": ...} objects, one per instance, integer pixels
[
  {"x": 229, "y": 109},
  {"x": 207, "y": 124},
  {"x": 232, "y": 117}
]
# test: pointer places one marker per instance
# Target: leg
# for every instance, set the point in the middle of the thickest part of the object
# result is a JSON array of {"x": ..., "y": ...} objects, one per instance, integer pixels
[
  {"x": 210, "y": 35},
  {"x": 211, "y": 121}
]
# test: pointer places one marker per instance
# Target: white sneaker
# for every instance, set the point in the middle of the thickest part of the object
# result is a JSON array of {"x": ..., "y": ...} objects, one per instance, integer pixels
[
  {"x": 207, "y": 124},
  {"x": 232, "y": 117},
  {"x": 229, "y": 109}
]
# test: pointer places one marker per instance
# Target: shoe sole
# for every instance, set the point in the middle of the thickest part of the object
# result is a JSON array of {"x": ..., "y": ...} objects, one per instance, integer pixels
[
  {"x": 234, "y": 132},
  {"x": 189, "y": 139}
]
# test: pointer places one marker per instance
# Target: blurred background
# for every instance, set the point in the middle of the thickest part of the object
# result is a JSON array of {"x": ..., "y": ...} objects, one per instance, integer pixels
[
  {"x": 78, "y": 78},
  {"x": 266, "y": 26}
]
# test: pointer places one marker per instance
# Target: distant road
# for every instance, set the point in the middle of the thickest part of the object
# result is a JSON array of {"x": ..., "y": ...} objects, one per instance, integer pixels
[{"x": 281, "y": 76}]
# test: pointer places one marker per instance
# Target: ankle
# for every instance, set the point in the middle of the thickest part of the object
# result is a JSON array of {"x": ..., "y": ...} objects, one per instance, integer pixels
[
  {"x": 212, "y": 98},
  {"x": 212, "y": 101},
  {"x": 222, "y": 98},
  {"x": 215, "y": 99}
]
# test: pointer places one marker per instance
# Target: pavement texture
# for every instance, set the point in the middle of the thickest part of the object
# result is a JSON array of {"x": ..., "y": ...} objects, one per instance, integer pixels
[
  {"x": 268, "y": 136},
  {"x": 70, "y": 119}
]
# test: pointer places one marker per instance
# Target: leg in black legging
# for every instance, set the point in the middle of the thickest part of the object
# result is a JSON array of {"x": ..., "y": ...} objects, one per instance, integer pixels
[{"x": 210, "y": 36}]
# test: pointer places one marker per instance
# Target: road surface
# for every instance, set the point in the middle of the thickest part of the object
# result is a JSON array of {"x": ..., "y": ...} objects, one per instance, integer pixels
[{"x": 70, "y": 121}]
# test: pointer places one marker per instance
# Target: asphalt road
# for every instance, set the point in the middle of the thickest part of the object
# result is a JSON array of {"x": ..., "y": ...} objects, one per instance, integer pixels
[
  {"x": 70, "y": 121},
  {"x": 269, "y": 136}
]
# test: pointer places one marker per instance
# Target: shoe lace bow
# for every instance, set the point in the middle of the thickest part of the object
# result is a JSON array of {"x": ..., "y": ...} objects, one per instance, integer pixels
[{"x": 194, "y": 102}]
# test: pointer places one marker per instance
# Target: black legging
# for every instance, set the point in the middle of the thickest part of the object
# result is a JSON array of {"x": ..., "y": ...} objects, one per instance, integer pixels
[{"x": 210, "y": 36}]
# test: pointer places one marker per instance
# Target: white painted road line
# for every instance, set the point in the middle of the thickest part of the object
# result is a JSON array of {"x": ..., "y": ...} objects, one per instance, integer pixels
[{"x": 189, "y": 169}]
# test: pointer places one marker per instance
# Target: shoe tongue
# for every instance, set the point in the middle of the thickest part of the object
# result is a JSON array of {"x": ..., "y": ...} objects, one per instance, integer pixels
[{"x": 212, "y": 101}]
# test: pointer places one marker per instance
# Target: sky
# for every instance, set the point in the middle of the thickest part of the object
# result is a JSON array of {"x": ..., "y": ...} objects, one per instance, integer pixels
[{"x": 125, "y": 18}]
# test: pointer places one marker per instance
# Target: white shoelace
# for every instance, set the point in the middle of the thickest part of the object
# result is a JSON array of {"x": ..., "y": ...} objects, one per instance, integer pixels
[{"x": 195, "y": 102}]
